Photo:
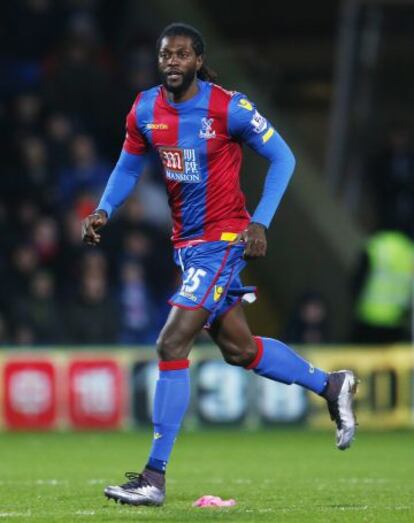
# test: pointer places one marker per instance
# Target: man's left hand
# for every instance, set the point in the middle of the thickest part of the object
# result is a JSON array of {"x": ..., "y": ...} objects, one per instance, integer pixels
[{"x": 255, "y": 239}]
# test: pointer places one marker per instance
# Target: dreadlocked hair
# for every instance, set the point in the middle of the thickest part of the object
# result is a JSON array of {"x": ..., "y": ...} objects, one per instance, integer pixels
[{"x": 197, "y": 41}]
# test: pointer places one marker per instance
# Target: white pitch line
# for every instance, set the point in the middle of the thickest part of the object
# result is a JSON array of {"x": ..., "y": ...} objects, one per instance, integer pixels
[
  {"x": 365, "y": 480},
  {"x": 51, "y": 482},
  {"x": 242, "y": 481},
  {"x": 27, "y": 514}
]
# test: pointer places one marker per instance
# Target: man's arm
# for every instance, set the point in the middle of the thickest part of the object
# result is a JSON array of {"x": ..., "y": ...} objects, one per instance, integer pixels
[
  {"x": 122, "y": 181},
  {"x": 249, "y": 126},
  {"x": 282, "y": 164}
]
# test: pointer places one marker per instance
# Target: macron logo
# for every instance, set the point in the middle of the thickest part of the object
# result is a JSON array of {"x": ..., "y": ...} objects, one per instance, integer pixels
[{"x": 157, "y": 126}]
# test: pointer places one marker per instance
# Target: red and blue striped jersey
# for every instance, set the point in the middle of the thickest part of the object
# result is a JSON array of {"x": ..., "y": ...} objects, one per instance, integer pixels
[{"x": 199, "y": 142}]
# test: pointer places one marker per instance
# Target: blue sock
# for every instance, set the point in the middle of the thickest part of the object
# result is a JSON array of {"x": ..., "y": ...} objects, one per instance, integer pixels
[
  {"x": 172, "y": 396},
  {"x": 278, "y": 362}
]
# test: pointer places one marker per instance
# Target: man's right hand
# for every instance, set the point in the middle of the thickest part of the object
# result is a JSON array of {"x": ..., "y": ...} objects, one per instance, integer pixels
[{"x": 91, "y": 224}]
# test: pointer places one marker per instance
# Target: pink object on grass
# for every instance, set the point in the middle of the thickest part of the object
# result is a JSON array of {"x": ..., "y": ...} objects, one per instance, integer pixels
[{"x": 213, "y": 501}]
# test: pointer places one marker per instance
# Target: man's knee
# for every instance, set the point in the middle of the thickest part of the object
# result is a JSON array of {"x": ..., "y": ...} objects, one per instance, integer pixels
[
  {"x": 172, "y": 345},
  {"x": 239, "y": 355}
]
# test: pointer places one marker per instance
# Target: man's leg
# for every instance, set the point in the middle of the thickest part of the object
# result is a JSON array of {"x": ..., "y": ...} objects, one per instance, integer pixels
[
  {"x": 172, "y": 396},
  {"x": 275, "y": 360},
  {"x": 172, "y": 393}
]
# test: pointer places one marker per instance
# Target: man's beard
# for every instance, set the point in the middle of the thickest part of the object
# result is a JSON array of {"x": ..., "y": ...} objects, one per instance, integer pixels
[{"x": 181, "y": 87}]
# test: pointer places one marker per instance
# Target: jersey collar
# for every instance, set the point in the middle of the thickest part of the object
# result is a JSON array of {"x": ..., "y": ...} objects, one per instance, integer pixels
[{"x": 188, "y": 104}]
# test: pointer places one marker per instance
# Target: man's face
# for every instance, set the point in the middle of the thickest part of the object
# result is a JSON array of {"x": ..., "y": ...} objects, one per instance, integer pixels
[{"x": 178, "y": 63}]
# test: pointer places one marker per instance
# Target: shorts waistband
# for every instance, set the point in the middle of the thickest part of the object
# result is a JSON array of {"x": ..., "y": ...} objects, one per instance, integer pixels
[{"x": 212, "y": 237}]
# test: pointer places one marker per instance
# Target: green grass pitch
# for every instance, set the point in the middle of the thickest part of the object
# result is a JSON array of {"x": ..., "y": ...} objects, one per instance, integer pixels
[{"x": 275, "y": 475}]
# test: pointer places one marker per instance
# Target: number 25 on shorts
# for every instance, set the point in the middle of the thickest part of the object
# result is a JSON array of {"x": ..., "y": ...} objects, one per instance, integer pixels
[{"x": 193, "y": 279}]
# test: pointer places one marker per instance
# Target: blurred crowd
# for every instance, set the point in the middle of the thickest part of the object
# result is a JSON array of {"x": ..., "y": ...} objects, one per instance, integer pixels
[
  {"x": 64, "y": 97},
  {"x": 384, "y": 278},
  {"x": 390, "y": 175},
  {"x": 69, "y": 74}
]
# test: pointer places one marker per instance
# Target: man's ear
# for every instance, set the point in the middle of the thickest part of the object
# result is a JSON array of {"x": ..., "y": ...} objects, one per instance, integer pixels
[{"x": 200, "y": 61}]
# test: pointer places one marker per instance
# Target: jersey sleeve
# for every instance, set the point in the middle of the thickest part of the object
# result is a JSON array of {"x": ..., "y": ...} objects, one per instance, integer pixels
[
  {"x": 246, "y": 124},
  {"x": 134, "y": 142}
]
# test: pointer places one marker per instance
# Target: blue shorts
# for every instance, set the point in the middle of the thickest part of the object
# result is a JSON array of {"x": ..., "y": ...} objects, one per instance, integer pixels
[{"x": 211, "y": 278}]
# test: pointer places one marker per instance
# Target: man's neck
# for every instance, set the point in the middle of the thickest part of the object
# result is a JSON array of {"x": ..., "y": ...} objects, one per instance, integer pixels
[{"x": 184, "y": 96}]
